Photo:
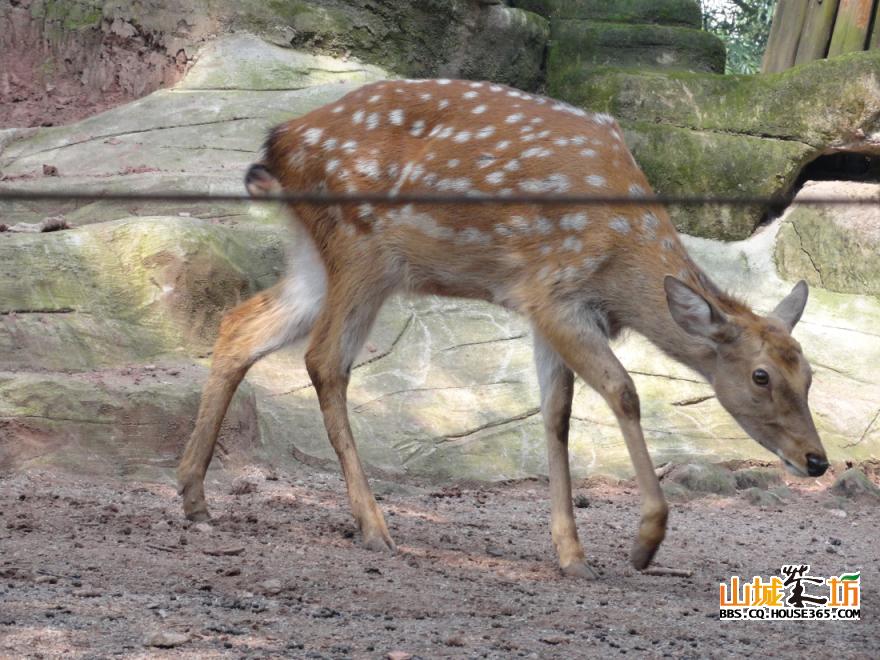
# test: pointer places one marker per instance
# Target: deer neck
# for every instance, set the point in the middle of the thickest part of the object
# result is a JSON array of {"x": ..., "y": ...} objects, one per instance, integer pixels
[{"x": 649, "y": 315}]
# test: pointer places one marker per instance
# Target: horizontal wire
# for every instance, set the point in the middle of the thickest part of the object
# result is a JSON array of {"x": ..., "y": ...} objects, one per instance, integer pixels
[{"x": 327, "y": 199}]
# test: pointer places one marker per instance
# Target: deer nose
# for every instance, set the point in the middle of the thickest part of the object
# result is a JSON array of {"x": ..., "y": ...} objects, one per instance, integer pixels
[{"x": 816, "y": 465}]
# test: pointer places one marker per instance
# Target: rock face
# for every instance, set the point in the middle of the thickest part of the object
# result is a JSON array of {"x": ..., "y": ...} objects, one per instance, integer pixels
[
  {"x": 834, "y": 248},
  {"x": 105, "y": 329}
]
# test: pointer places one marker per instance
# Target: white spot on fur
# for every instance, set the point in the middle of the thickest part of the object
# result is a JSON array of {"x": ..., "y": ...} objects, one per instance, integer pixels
[
  {"x": 588, "y": 153},
  {"x": 596, "y": 181},
  {"x": 503, "y": 231},
  {"x": 330, "y": 144},
  {"x": 357, "y": 117},
  {"x": 536, "y": 152},
  {"x": 374, "y": 98},
  {"x": 367, "y": 167},
  {"x": 469, "y": 95},
  {"x": 650, "y": 223},
  {"x": 495, "y": 178},
  {"x": 543, "y": 225},
  {"x": 572, "y": 244},
  {"x": 373, "y": 121},
  {"x": 338, "y": 109},
  {"x": 480, "y": 109},
  {"x": 514, "y": 118},
  {"x": 485, "y": 132},
  {"x": 443, "y": 81},
  {"x": 557, "y": 183},
  {"x": 619, "y": 224},
  {"x": 331, "y": 166},
  {"x": 453, "y": 163},
  {"x": 561, "y": 142},
  {"x": 425, "y": 97},
  {"x": 512, "y": 165},
  {"x": 417, "y": 128},
  {"x": 444, "y": 103},
  {"x": 312, "y": 136},
  {"x": 396, "y": 117},
  {"x": 463, "y": 136},
  {"x": 504, "y": 144},
  {"x": 472, "y": 235},
  {"x": 573, "y": 221},
  {"x": 457, "y": 185},
  {"x": 349, "y": 146}
]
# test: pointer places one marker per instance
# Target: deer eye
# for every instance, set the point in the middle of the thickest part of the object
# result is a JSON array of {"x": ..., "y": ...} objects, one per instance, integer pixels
[{"x": 761, "y": 377}]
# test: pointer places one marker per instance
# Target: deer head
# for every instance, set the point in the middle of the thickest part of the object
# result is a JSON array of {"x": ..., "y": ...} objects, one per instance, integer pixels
[{"x": 759, "y": 372}]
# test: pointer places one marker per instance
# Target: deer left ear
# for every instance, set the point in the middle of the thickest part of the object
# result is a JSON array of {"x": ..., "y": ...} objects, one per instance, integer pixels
[
  {"x": 693, "y": 313},
  {"x": 792, "y": 306}
]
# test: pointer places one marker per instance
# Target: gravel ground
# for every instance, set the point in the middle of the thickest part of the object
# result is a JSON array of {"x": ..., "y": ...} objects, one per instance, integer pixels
[{"x": 102, "y": 568}]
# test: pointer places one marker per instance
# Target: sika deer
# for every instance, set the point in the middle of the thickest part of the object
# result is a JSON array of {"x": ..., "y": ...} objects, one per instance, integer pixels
[{"x": 579, "y": 275}]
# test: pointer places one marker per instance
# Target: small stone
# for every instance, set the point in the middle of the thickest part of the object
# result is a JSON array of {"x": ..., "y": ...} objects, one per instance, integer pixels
[
  {"x": 166, "y": 639},
  {"x": 454, "y": 640},
  {"x": 203, "y": 528},
  {"x": 271, "y": 587},
  {"x": 243, "y": 486},
  {"x": 581, "y": 501},
  {"x": 399, "y": 655},
  {"x": 837, "y": 513}
]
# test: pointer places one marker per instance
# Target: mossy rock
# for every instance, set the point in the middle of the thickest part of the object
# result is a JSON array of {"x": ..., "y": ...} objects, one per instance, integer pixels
[
  {"x": 792, "y": 105},
  {"x": 132, "y": 287},
  {"x": 420, "y": 39},
  {"x": 832, "y": 247},
  {"x": 679, "y": 161},
  {"x": 663, "y": 12},
  {"x": 763, "y": 498},
  {"x": 854, "y": 484},
  {"x": 757, "y": 478},
  {"x": 580, "y": 45},
  {"x": 704, "y": 478}
]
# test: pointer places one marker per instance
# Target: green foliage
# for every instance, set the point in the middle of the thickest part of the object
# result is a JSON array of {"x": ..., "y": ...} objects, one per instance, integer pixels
[{"x": 744, "y": 25}]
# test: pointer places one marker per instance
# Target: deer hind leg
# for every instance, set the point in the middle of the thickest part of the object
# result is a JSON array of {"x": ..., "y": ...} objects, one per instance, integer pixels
[
  {"x": 584, "y": 346},
  {"x": 353, "y": 301},
  {"x": 257, "y": 327},
  {"x": 557, "y": 389}
]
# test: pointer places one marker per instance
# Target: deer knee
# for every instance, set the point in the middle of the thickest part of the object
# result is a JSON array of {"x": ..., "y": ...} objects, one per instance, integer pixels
[{"x": 624, "y": 400}]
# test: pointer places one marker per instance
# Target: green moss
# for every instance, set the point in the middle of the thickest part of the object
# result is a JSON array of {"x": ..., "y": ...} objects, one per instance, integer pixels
[
  {"x": 790, "y": 105},
  {"x": 584, "y": 44},
  {"x": 70, "y": 14},
  {"x": 666, "y": 12},
  {"x": 686, "y": 162}
]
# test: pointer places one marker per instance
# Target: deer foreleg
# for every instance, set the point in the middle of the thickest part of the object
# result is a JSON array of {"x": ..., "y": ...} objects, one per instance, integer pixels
[
  {"x": 585, "y": 349},
  {"x": 557, "y": 389}
]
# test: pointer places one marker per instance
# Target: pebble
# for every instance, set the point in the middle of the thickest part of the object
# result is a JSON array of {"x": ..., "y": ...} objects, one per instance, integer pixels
[
  {"x": 399, "y": 655},
  {"x": 166, "y": 639},
  {"x": 203, "y": 527},
  {"x": 839, "y": 513},
  {"x": 271, "y": 587}
]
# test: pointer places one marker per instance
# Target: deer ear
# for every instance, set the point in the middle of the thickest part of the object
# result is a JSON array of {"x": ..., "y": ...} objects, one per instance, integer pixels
[
  {"x": 693, "y": 313},
  {"x": 792, "y": 306}
]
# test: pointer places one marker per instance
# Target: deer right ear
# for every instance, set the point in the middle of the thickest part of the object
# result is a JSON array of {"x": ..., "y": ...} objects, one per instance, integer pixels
[
  {"x": 692, "y": 312},
  {"x": 260, "y": 182}
]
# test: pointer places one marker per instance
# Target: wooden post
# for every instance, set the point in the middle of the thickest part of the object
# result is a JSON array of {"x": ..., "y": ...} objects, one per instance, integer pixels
[
  {"x": 851, "y": 26},
  {"x": 875, "y": 35},
  {"x": 816, "y": 34},
  {"x": 785, "y": 33}
]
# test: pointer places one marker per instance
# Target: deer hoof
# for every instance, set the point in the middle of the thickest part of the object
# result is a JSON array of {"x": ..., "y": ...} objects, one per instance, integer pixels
[
  {"x": 580, "y": 570},
  {"x": 642, "y": 554},
  {"x": 379, "y": 543}
]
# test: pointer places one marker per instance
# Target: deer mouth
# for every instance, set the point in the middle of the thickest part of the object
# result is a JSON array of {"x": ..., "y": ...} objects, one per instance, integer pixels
[{"x": 791, "y": 467}]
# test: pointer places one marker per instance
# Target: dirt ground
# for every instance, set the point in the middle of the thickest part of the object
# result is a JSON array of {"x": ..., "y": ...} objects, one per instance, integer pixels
[{"x": 98, "y": 569}]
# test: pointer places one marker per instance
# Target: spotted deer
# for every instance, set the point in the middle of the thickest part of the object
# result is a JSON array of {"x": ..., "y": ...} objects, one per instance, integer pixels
[{"x": 579, "y": 275}]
